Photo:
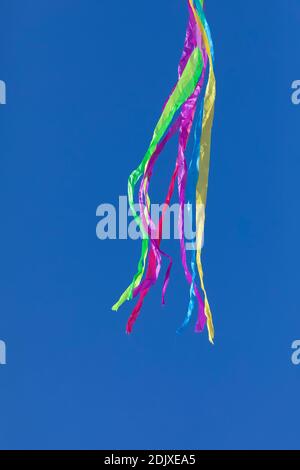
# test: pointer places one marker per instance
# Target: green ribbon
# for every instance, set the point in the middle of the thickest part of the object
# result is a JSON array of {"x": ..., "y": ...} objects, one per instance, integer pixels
[{"x": 183, "y": 90}]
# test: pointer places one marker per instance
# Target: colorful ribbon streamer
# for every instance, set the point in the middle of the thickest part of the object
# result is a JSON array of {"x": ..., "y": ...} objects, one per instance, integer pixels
[{"x": 196, "y": 86}]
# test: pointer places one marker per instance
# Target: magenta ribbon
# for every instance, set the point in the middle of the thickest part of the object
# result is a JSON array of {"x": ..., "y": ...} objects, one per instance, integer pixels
[{"x": 183, "y": 124}]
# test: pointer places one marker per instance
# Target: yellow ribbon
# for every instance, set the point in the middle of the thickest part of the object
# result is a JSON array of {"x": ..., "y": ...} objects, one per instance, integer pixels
[{"x": 202, "y": 183}]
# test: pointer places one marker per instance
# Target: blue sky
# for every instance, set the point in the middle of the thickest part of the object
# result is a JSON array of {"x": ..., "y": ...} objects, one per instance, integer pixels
[{"x": 85, "y": 85}]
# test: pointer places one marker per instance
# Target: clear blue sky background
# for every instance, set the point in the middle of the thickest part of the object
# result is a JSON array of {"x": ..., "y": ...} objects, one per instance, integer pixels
[{"x": 86, "y": 81}]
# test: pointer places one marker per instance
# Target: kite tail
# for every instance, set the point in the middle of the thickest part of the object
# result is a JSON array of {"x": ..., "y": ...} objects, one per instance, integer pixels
[
  {"x": 184, "y": 122},
  {"x": 205, "y": 145},
  {"x": 196, "y": 83}
]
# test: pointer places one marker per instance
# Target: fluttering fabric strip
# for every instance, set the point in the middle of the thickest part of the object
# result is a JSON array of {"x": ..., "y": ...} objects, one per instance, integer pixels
[
  {"x": 202, "y": 184},
  {"x": 153, "y": 271},
  {"x": 196, "y": 83},
  {"x": 183, "y": 90},
  {"x": 186, "y": 119}
]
